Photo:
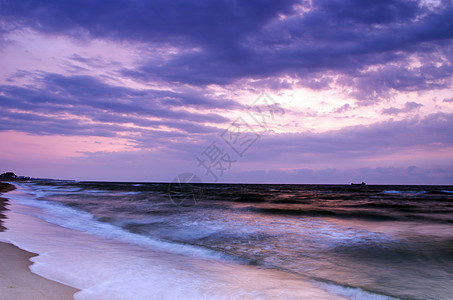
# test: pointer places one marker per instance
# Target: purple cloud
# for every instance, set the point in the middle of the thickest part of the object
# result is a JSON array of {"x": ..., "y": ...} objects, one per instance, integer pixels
[
  {"x": 342, "y": 108},
  {"x": 358, "y": 142},
  {"x": 408, "y": 107},
  {"x": 240, "y": 40},
  {"x": 86, "y": 97}
]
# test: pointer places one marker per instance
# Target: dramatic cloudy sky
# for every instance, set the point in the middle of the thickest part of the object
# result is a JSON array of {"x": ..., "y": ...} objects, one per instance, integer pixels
[{"x": 135, "y": 90}]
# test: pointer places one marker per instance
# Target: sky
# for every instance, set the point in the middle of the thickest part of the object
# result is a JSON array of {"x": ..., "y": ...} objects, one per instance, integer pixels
[{"x": 257, "y": 91}]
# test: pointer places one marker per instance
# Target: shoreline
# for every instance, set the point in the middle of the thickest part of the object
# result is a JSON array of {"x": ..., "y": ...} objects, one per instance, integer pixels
[
  {"x": 16, "y": 279},
  {"x": 117, "y": 269}
]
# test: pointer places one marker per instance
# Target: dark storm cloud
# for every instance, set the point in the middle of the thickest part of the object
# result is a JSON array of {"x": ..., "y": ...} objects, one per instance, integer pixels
[
  {"x": 236, "y": 40},
  {"x": 186, "y": 21},
  {"x": 328, "y": 40},
  {"x": 378, "y": 84}
]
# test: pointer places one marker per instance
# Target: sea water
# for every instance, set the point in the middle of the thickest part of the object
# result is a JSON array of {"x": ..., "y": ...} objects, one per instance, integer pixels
[{"x": 140, "y": 241}]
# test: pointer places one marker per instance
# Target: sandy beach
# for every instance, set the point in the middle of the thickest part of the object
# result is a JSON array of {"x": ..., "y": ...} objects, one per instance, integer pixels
[{"x": 17, "y": 282}]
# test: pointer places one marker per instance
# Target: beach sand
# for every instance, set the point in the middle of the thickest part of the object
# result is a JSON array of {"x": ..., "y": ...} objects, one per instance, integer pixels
[{"x": 17, "y": 282}]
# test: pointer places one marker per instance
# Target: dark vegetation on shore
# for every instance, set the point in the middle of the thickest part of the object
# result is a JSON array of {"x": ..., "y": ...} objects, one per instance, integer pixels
[{"x": 12, "y": 176}]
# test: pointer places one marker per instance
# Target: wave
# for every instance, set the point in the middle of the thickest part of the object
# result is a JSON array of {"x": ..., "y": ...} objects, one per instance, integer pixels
[
  {"x": 405, "y": 192},
  {"x": 353, "y": 292},
  {"x": 322, "y": 213},
  {"x": 68, "y": 217},
  {"x": 439, "y": 192},
  {"x": 411, "y": 214},
  {"x": 251, "y": 198},
  {"x": 399, "y": 206},
  {"x": 427, "y": 192}
]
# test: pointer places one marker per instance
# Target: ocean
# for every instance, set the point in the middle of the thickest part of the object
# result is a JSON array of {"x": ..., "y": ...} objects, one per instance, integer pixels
[{"x": 237, "y": 241}]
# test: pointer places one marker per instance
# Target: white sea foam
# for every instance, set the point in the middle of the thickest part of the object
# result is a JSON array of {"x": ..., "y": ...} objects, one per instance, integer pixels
[
  {"x": 353, "y": 293},
  {"x": 404, "y": 192}
]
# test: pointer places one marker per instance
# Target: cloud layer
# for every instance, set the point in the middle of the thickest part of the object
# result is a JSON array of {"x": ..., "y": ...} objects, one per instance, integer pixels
[
  {"x": 226, "y": 41},
  {"x": 190, "y": 63}
]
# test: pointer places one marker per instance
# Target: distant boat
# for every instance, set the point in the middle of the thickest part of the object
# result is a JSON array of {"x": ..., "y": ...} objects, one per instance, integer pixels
[{"x": 363, "y": 183}]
